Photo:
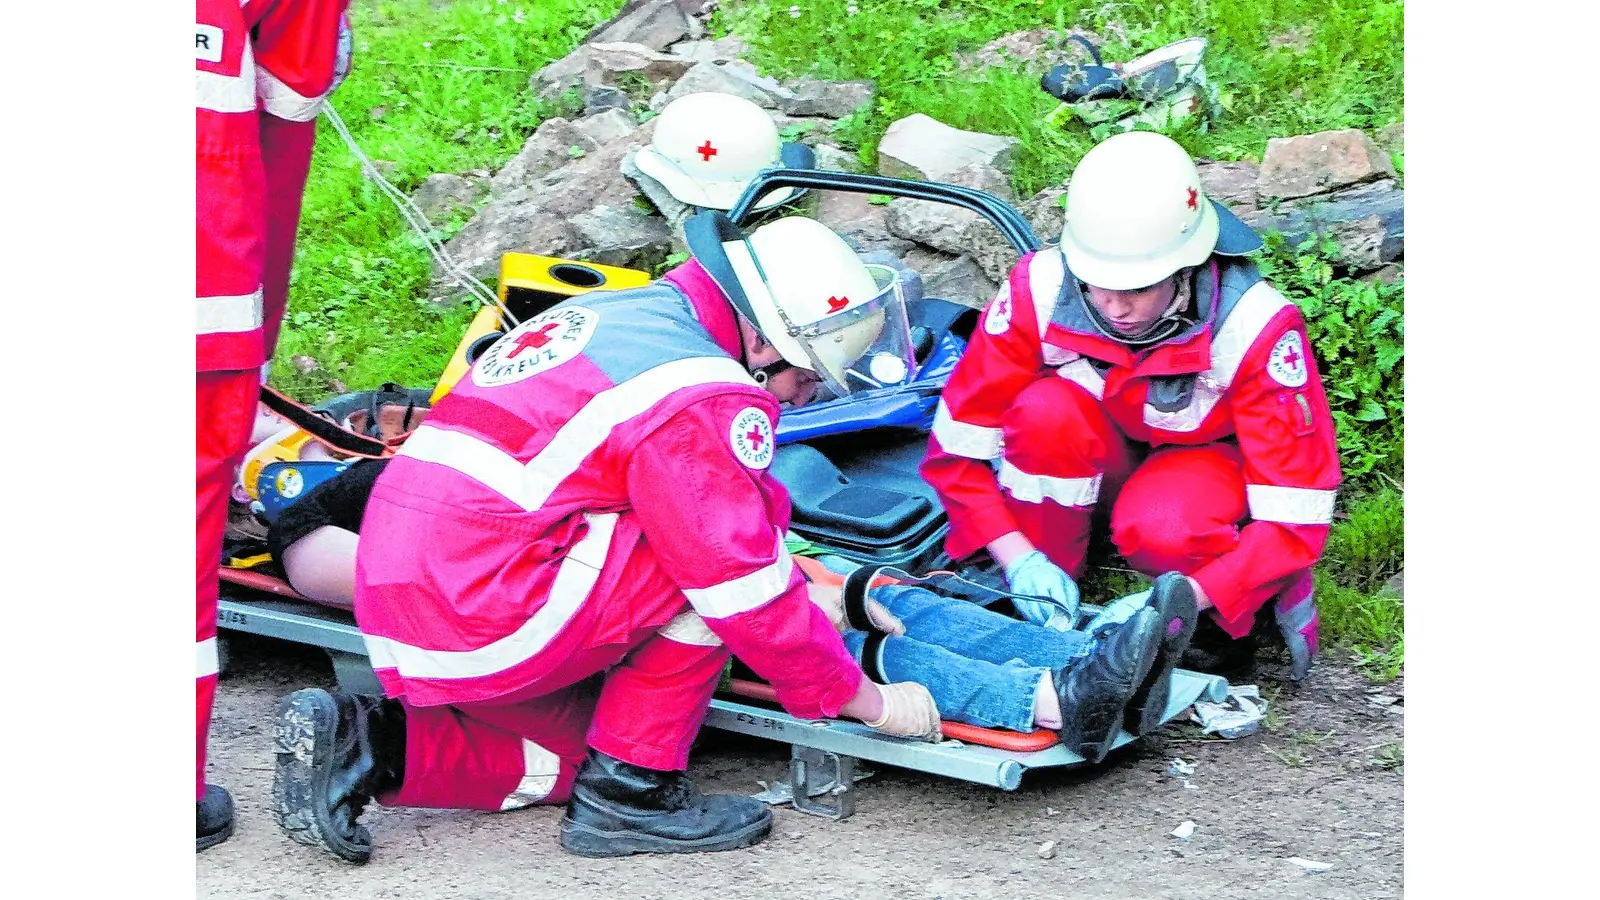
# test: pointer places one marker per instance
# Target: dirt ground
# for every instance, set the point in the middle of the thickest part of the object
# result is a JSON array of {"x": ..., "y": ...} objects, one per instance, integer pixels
[{"x": 1324, "y": 782}]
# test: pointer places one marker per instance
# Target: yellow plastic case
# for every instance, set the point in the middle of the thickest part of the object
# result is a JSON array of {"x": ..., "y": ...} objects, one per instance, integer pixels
[{"x": 529, "y": 285}]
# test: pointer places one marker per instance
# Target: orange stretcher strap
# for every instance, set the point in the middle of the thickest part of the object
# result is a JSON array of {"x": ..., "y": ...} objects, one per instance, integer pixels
[{"x": 1015, "y": 741}]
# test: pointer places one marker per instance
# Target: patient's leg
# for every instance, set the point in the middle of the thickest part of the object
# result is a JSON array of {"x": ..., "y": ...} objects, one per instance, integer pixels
[
  {"x": 322, "y": 566},
  {"x": 973, "y": 691},
  {"x": 971, "y": 631}
]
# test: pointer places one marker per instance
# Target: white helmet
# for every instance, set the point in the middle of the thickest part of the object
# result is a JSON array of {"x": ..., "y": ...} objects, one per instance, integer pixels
[
  {"x": 808, "y": 293},
  {"x": 707, "y": 147},
  {"x": 1136, "y": 213}
]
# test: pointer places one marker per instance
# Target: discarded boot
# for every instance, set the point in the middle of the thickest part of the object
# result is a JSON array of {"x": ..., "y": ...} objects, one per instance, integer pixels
[
  {"x": 335, "y": 753},
  {"x": 213, "y": 816},
  {"x": 619, "y": 809},
  {"x": 1172, "y": 598},
  {"x": 1096, "y": 689}
]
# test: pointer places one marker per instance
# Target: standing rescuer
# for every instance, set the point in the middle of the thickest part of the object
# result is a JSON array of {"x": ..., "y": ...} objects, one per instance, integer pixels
[
  {"x": 262, "y": 71},
  {"x": 1146, "y": 366},
  {"x": 553, "y": 571}
]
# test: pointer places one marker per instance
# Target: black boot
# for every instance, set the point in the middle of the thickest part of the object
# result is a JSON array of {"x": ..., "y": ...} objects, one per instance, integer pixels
[
  {"x": 1095, "y": 690},
  {"x": 1172, "y": 597},
  {"x": 213, "y": 818},
  {"x": 335, "y": 753},
  {"x": 1215, "y": 652},
  {"x": 618, "y": 809}
]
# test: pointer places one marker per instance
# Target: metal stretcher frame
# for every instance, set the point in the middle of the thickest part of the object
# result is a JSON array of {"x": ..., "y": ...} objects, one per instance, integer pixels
[{"x": 823, "y": 752}]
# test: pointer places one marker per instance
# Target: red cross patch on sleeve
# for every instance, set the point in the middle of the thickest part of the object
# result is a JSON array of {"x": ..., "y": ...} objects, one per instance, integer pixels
[{"x": 1287, "y": 362}]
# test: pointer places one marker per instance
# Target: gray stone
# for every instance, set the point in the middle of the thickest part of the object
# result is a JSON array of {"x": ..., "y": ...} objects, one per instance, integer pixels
[
  {"x": 860, "y": 222},
  {"x": 831, "y": 99},
  {"x": 960, "y": 280},
  {"x": 658, "y": 101},
  {"x": 1045, "y": 213},
  {"x": 837, "y": 160},
  {"x": 713, "y": 78},
  {"x": 990, "y": 249},
  {"x": 550, "y": 148},
  {"x": 1397, "y": 583},
  {"x": 608, "y": 126},
  {"x": 560, "y": 75},
  {"x": 930, "y": 223},
  {"x": 622, "y": 236},
  {"x": 613, "y": 64},
  {"x": 442, "y": 195},
  {"x": 1392, "y": 138},
  {"x": 720, "y": 50},
  {"x": 654, "y": 23},
  {"x": 1233, "y": 183},
  {"x": 600, "y": 98},
  {"x": 539, "y": 218},
  {"x": 1034, "y": 50},
  {"x": 1320, "y": 163},
  {"x": 1368, "y": 221},
  {"x": 920, "y": 146}
]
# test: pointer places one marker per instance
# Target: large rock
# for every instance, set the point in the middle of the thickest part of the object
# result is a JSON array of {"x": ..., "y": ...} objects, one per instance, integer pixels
[
  {"x": 614, "y": 64},
  {"x": 859, "y": 221},
  {"x": 802, "y": 129},
  {"x": 1045, "y": 213},
  {"x": 622, "y": 236},
  {"x": 561, "y": 215},
  {"x": 831, "y": 99},
  {"x": 960, "y": 280},
  {"x": 560, "y": 75},
  {"x": 920, "y": 146},
  {"x": 1234, "y": 183},
  {"x": 1368, "y": 222},
  {"x": 605, "y": 127},
  {"x": 710, "y": 77},
  {"x": 656, "y": 24},
  {"x": 1320, "y": 163},
  {"x": 443, "y": 195},
  {"x": 930, "y": 223},
  {"x": 554, "y": 144},
  {"x": 670, "y": 207}
]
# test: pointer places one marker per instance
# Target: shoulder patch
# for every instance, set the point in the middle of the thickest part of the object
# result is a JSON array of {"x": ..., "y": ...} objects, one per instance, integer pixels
[
  {"x": 751, "y": 437},
  {"x": 998, "y": 318},
  {"x": 537, "y": 345},
  {"x": 1287, "y": 361}
]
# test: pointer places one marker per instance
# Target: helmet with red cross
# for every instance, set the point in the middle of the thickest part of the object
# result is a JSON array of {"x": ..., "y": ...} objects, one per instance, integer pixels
[
  {"x": 1137, "y": 213},
  {"x": 707, "y": 147},
  {"x": 800, "y": 285}
]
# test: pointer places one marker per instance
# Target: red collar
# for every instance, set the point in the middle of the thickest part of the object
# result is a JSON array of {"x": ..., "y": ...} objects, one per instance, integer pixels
[{"x": 710, "y": 305}]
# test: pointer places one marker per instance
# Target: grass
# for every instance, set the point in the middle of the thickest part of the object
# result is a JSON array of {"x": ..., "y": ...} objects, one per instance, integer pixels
[{"x": 442, "y": 87}]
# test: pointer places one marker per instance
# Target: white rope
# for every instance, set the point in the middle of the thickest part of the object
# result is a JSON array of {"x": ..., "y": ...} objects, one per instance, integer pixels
[{"x": 418, "y": 222}]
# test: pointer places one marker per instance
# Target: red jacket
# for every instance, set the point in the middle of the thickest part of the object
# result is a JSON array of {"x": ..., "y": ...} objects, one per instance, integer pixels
[
  {"x": 1244, "y": 373},
  {"x": 597, "y": 466},
  {"x": 257, "y": 65}
]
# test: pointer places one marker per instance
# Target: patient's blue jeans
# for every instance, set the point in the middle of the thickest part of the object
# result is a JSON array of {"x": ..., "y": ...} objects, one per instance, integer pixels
[{"x": 981, "y": 667}]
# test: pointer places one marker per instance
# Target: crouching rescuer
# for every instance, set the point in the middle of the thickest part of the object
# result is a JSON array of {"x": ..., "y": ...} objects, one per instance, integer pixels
[
  {"x": 554, "y": 570},
  {"x": 1144, "y": 368}
]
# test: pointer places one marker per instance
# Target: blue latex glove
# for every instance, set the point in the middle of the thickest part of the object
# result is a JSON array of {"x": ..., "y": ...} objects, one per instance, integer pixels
[
  {"x": 1117, "y": 612},
  {"x": 1034, "y": 573}
]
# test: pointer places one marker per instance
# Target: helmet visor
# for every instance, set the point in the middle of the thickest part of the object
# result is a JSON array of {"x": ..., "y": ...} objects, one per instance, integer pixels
[{"x": 867, "y": 347}]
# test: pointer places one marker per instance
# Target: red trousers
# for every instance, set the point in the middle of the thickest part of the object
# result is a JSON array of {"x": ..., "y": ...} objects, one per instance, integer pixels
[
  {"x": 225, "y": 409},
  {"x": 503, "y": 755},
  {"x": 1176, "y": 509}
]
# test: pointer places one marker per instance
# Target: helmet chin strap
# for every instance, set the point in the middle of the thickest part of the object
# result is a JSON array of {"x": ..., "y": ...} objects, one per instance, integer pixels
[{"x": 1169, "y": 323}]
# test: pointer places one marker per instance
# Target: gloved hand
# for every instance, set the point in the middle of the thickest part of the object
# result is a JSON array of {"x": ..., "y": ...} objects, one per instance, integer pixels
[
  {"x": 831, "y": 601},
  {"x": 1034, "y": 573},
  {"x": 908, "y": 711}
]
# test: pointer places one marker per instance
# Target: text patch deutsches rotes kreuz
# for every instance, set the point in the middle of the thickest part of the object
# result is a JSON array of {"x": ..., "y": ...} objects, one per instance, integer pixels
[
  {"x": 751, "y": 437},
  {"x": 1287, "y": 362},
  {"x": 537, "y": 345}
]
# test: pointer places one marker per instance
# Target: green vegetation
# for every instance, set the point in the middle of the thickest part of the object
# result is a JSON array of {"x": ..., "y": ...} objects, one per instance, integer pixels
[{"x": 442, "y": 87}]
